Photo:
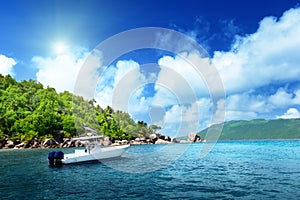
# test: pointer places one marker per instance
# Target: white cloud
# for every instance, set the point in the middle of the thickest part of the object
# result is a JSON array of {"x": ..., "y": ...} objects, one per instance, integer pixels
[
  {"x": 245, "y": 106},
  {"x": 6, "y": 65},
  {"x": 183, "y": 119},
  {"x": 238, "y": 115},
  {"x": 183, "y": 78},
  {"x": 291, "y": 113},
  {"x": 177, "y": 89},
  {"x": 247, "y": 102},
  {"x": 268, "y": 55},
  {"x": 282, "y": 98},
  {"x": 165, "y": 96},
  {"x": 118, "y": 83},
  {"x": 88, "y": 75},
  {"x": 250, "y": 105},
  {"x": 181, "y": 86},
  {"x": 183, "y": 90},
  {"x": 60, "y": 71}
]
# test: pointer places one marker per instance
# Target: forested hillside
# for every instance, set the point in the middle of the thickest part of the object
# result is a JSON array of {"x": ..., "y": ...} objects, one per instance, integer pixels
[
  {"x": 259, "y": 129},
  {"x": 30, "y": 111}
]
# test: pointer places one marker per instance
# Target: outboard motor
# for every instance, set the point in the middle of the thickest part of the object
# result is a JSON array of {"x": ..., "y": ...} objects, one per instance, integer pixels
[
  {"x": 55, "y": 158},
  {"x": 51, "y": 158},
  {"x": 58, "y": 156}
]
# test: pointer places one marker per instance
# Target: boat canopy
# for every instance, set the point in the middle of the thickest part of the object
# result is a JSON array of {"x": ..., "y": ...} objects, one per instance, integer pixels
[{"x": 88, "y": 138}]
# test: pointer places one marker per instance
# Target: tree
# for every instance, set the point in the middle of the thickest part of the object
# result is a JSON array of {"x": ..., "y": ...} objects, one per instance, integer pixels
[
  {"x": 28, "y": 111},
  {"x": 155, "y": 128}
]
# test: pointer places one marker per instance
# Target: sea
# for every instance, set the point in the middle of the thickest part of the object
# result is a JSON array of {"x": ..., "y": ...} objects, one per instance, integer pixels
[{"x": 263, "y": 169}]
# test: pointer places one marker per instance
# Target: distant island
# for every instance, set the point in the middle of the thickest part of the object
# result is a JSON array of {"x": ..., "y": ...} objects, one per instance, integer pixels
[{"x": 258, "y": 129}]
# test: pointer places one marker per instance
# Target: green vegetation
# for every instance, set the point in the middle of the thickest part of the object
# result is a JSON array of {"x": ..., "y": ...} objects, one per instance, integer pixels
[
  {"x": 258, "y": 129},
  {"x": 28, "y": 111}
]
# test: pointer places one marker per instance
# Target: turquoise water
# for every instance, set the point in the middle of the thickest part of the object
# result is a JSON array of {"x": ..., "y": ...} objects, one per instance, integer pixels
[{"x": 232, "y": 170}]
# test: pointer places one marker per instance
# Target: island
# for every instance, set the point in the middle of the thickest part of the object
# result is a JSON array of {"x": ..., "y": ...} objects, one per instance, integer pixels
[{"x": 34, "y": 116}]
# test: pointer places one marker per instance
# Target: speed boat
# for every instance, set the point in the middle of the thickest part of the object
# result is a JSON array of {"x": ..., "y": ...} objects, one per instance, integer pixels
[{"x": 92, "y": 152}]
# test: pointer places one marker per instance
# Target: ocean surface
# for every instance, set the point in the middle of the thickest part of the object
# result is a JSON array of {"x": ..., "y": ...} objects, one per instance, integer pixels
[{"x": 267, "y": 169}]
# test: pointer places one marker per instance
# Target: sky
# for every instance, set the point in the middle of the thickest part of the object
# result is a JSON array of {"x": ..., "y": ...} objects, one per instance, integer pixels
[{"x": 251, "y": 48}]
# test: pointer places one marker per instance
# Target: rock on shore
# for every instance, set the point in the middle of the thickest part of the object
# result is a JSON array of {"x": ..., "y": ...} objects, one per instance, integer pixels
[
  {"x": 154, "y": 139},
  {"x": 193, "y": 137},
  {"x": 105, "y": 141}
]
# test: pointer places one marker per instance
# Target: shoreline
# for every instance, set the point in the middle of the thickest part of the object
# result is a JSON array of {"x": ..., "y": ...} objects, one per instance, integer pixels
[
  {"x": 154, "y": 138},
  {"x": 131, "y": 144}
]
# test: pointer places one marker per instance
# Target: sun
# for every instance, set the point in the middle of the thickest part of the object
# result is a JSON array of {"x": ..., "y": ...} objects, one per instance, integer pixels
[{"x": 60, "y": 47}]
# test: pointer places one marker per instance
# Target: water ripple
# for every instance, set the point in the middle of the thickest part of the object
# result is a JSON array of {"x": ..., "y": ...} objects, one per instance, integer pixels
[{"x": 233, "y": 170}]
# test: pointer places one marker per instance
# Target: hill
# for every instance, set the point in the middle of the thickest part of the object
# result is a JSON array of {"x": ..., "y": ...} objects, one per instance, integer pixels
[
  {"x": 29, "y": 111},
  {"x": 258, "y": 129}
]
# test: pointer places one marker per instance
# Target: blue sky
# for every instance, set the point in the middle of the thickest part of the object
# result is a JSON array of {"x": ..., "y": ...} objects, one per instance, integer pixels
[{"x": 254, "y": 46}]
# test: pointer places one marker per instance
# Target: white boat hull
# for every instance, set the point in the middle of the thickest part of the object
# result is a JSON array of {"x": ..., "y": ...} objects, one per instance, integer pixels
[{"x": 97, "y": 153}]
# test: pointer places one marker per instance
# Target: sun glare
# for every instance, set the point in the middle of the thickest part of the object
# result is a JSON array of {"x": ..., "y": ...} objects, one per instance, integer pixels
[{"x": 60, "y": 48}]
